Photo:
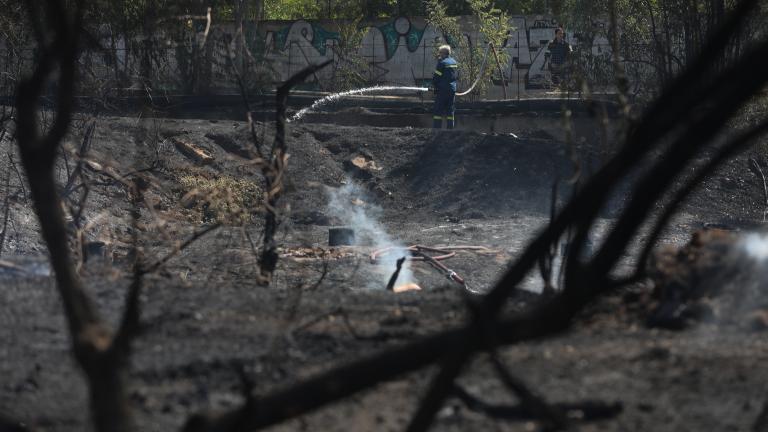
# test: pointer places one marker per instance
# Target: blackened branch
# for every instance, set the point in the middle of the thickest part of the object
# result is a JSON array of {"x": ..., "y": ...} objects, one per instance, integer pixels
[
  {"x": 274, "y": 170},
  {"x": 395, "y": 274},
  {"x": 583, "y": 411}
]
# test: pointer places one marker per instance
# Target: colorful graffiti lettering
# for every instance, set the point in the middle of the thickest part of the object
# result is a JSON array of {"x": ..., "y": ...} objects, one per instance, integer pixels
[
  {"x": 400, "y": 27},
  {"x": 300, "y": 43}
]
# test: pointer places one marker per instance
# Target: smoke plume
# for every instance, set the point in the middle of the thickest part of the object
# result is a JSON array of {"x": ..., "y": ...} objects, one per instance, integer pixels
[{"x": 350, "y": 206}]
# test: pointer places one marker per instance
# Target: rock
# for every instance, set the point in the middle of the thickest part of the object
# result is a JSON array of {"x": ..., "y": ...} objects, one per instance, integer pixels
[
  {"x": 364, "y": 163},
  {"x": 406, "y": 287},
  {"x": 354, "y": 168}
]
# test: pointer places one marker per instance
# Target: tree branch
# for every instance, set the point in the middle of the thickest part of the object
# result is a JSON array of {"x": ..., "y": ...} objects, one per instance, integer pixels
[{"x": 275, "y": 170}]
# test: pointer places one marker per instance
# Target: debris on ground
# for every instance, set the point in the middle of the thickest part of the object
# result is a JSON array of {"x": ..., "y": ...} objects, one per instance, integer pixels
[{"x": 711, "y": 278}]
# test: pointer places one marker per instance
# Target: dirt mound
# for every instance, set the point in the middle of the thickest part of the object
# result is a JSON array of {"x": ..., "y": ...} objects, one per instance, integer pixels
[{"x": 457, "y": 174}]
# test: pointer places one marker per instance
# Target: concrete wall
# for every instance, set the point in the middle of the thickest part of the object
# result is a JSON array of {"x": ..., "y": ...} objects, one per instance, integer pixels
[
  {"x": 397, "y": 51},
  {"x": 401, "y": 50}
]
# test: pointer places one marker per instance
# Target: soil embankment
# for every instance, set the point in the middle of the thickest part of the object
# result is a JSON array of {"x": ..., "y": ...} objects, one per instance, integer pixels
[{"x": 206, "y": 319}]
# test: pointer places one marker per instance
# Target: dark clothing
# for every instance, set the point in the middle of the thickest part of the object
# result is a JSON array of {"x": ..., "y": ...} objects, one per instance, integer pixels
[
  {"x": 446, "y": 75},
  {"x": 444, "y": 108},
  {"x": 444, "y": 81},
  {"x": 559, "y": 51}
]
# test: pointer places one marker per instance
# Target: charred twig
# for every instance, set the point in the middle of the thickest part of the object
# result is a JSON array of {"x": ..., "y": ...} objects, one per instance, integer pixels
[
  {"x": 274, "y": 171},
  {"x": 583, "y": 411},
  {"x": 395, "y": 274},
  {"x": 534, "y": 404},
  {"x": 316, "y": 319},
  {"x": 755, "y": 167},
  {"x": 130, "y": 326},
  {"x": 81, "y": 255},
  {"x": 151, "y": 268},
  {"x": 18, "y": 175},
  {"x": 323, "y": 275},
  {"x": 551, "y": 418},
  {"x": 547, "y": 260},
  {"x": 291, "y": 317},
  {"x": 81, "y": 154},
  {"x": 6, "y": 210},
  {"x": 344, "y": 319},
  {"x": 451, "y": 365}
]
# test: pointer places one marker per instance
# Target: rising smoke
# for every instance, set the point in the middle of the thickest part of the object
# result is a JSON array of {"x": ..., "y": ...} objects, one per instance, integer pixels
[
  {"x": 756, "y": 246},
  {"x": 349, "y": 204}
]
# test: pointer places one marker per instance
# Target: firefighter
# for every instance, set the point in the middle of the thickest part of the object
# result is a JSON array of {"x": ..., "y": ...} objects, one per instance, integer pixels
[{"x": 444, "y": 85}]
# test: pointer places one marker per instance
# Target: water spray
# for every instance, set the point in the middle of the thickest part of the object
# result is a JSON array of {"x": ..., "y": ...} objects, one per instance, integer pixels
[{"x": 336, "y": 96}]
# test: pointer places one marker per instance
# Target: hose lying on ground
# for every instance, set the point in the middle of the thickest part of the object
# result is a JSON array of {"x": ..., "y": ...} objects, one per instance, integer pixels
[{"x": 419, "y": 253}]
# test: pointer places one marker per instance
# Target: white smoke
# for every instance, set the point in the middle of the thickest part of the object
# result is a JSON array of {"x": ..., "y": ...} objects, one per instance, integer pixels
[
  {"x": 756, "y": 246},
  {"x": 349, "y": 204}
]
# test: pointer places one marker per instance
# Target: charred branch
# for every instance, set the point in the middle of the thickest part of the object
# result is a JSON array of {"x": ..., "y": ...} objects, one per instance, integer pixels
[
  {"x": 91, "y": 339},
  {"x": 6, "y": 210},
  {"x": 754, "y": 166},
  {"x": 395, "y": 274},
  {"x": 551, "y": 418},
  {"x": 582, "y": 411},
  {"x": 274, "y": 170}
]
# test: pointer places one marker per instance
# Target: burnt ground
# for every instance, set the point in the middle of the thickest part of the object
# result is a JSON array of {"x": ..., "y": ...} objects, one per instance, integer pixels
[{"x": 205, "y": 317}]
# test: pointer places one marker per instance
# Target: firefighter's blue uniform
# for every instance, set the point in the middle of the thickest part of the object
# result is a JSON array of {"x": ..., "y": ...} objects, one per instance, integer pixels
[{"x": 444, "y": 82}]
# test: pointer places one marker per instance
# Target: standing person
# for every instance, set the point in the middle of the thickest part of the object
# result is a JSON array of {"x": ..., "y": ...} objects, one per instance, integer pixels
[
  {"x": 444, "y": 84},
  {"x": 559, "y": 51}
]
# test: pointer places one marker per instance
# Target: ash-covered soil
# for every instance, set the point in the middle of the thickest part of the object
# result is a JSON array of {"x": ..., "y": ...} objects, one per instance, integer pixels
[{"x": 206, "y": 318}]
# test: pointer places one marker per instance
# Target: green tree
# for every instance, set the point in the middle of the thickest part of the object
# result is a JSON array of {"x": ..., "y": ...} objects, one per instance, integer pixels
[
  {"x": 657, "y": 38},
  {"x": 292, "y": 9},
  {"x": 493, "y": 25},
  {"x": 350, "y": 67}
]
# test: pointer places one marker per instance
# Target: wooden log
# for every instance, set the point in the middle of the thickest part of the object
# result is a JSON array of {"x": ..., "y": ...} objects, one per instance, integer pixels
[{"x": 192, "y": 151}]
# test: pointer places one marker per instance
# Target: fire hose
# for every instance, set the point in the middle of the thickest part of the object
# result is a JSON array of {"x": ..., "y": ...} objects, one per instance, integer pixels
[
  {"x": 419, "y": 253},
  {"x": 488, "y": 48},
  {"x": 480, "y": 75}
]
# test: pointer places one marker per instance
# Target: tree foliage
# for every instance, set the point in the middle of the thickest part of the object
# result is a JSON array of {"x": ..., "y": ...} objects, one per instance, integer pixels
[
  {"x": 493, "y": 26},
  {"x": 657, "y": 38}
]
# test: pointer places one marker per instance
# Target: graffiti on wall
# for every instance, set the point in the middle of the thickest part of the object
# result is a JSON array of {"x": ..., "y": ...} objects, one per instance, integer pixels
[
  {"x": 397, "y": 51},
  {"x": 402, "y": 50}
]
